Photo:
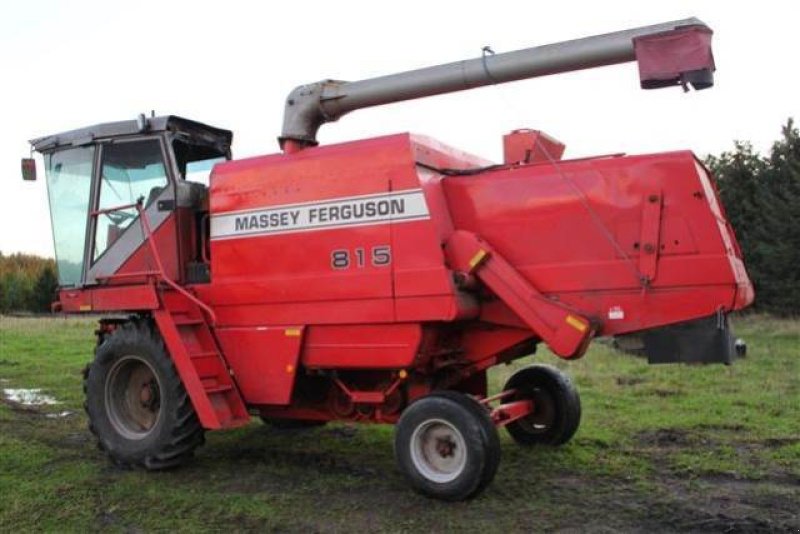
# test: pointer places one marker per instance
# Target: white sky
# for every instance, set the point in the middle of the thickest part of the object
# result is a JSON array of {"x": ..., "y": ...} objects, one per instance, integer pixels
[{"x": 230, "y": 64}]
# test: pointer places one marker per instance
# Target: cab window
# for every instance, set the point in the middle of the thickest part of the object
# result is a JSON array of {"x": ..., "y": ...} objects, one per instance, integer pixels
[
  {"x": 69, "y": 185},
  {"x": 200, "y": 171},
  {"x": 130, "y": 171},
  {"x": 196, "y": 161}
]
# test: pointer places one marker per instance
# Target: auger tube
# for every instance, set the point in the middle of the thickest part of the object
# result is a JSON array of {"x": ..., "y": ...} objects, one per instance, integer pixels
[{"x": 310, "y": 106}]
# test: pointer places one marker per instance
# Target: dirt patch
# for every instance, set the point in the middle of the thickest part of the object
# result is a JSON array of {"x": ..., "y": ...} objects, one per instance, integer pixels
[
  {"x": 19, "y": 407},
  {"x": 321, "y": 462},
  {"x": 721, "y": 428},
  {"x": 699, "y": 521},
  {"x": 728, "y": 504},
  {"x": 35, "y": 409},
  {"x": 67, "y": 434},
  {"x": 667, "y": 437},
  {"x": 597, "y": 443},
  {"x": 630, "y": 380},
  {"x": 774, "y": 443},
  {"x": 777, "y": 481},
  {"x": 717, "y": 501},
  {"x": 345, "y": 431},
  {"x": 282, "y": 462}
]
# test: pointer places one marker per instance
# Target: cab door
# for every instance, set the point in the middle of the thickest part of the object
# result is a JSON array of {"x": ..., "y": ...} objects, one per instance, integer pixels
[{"x": 130, "y": 170}]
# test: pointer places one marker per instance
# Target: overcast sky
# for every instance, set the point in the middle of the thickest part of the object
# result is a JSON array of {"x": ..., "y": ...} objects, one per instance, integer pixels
[{"x": 230, "y": 64}]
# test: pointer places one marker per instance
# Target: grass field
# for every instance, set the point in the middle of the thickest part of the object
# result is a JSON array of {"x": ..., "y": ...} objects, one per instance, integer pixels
[{"x": 661, "y": 448}]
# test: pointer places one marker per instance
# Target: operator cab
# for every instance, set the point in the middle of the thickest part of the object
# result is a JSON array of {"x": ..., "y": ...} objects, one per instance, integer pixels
[{"x": 97, "y": 175}]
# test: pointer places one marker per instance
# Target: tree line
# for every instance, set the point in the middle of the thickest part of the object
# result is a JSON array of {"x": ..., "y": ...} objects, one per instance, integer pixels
[
  {"x": 761, "y": 195},
  {"x": 27, "y": 283}
]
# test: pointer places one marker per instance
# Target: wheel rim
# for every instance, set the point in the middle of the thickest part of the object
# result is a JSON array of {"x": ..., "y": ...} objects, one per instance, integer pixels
[
  {"x": 133, "y": 397},
  {"x": 544, "y": 412},
  {"x": 438, "y": 451}
]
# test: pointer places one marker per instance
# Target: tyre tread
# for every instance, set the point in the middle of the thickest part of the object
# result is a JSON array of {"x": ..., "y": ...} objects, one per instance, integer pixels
[
  {"x": 567, "y": 398},
  {"x": 178, "y": 442},
  {"x": 480, "y": 430}
]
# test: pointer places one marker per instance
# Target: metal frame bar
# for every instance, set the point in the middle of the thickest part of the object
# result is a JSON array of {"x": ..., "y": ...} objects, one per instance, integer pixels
[
  {"x": 160, "y": 267},
  {"x": 507, "y": 412},
  {"x": 511, "y": 411}
]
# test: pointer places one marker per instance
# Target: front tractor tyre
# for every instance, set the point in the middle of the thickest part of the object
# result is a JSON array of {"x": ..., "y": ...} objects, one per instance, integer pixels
[
  {"x": 137, "y": 406},
  {"x": 447, "y": 446},
  {"x": 556, "y": 406}
]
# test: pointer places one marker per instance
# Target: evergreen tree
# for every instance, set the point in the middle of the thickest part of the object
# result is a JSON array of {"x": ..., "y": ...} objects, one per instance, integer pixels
[
  {"x": 762, "y": 199},
  {"x": 45, "y": 289},
  {"x": 783, "y": 216}
]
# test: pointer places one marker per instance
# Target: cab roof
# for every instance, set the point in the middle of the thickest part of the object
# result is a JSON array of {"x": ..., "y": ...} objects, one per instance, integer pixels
[{"x": 191, "y": 131}]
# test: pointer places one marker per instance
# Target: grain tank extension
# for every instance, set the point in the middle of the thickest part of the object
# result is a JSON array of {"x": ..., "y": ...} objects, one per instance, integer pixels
[{"x": 378, "y": 280}]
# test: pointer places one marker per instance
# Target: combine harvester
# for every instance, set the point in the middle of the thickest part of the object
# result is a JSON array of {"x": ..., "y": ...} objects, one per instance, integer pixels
[{"x": 378, "y": 280}]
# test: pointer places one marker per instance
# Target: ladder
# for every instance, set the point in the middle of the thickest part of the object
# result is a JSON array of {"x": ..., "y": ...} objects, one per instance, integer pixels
[{"x": 205, "y": 373}]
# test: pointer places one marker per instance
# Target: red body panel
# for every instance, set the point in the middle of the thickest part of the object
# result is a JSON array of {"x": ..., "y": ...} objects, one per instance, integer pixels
[
  {"x": 294, "y": 271},
  {"x": 374, "y": 346},
  {"x": 264, "y": 360},
  {"x": 579, "y": 231},
  {"x": 166, "y": 241},
  {"x": 109, "y": 299},
  {"x": 393, "y": 303}
]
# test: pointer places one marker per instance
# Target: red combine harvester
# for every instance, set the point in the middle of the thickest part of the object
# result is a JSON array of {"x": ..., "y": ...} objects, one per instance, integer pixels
[{"x": 378, "y": 280}]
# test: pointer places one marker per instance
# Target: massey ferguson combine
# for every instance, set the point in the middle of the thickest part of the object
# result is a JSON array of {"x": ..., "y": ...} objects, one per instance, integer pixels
[{"x": 378, "y": 280}]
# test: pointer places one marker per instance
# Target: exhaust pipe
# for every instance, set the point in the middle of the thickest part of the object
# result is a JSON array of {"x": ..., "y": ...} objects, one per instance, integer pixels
[{"x": 672, "y": 53}]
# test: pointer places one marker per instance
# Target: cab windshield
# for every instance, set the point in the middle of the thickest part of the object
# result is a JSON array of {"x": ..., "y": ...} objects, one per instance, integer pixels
[{"x": 69, "y": 184}]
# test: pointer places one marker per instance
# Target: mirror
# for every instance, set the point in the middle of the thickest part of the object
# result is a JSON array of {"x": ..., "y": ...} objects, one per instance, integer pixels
[{"x": 29, "y": 169}]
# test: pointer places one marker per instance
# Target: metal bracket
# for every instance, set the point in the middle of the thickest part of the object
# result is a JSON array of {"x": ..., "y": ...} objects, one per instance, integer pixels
[
  {"x": 650, "y": 237},
  {"x": 567, "y": 332},
  {"x": 508, "y": 410}
]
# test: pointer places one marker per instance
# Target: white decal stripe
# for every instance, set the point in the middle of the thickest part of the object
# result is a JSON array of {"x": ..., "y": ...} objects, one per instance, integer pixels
[
  {"x": 327, "y": 201},
  {"x": 362, "y": 210}
]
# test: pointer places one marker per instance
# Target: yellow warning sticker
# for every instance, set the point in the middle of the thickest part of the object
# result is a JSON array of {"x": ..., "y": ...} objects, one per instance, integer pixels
[{"x": 85, "y": 307}]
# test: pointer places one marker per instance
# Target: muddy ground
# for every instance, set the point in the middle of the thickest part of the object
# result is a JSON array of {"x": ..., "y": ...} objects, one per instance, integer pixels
[{"x": 660, "y": 450}]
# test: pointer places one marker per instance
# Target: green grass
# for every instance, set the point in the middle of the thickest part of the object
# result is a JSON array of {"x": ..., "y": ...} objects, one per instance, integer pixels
[{"x": 660, "y": 448}]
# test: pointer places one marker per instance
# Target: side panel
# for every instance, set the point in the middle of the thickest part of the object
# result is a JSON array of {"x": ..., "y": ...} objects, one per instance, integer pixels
[
  {"x": 263, "y": 360},
  {"x": 379, "y": 346},
  {"x": 141, "y": 259},
  {"x": 293, "y": 238},
  {"x": 139, "y": 297},
  {"x": 423, "y": 282},
  {"x": 424, "y": 288},
  {"x": 280, "y": 246},
  {"x": 588, "y": 232},
  {"x": 104, "y": 299}
]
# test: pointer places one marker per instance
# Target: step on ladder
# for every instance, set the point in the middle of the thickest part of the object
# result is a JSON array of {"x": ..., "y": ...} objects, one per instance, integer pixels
[{"x": 202, "y": 367}]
